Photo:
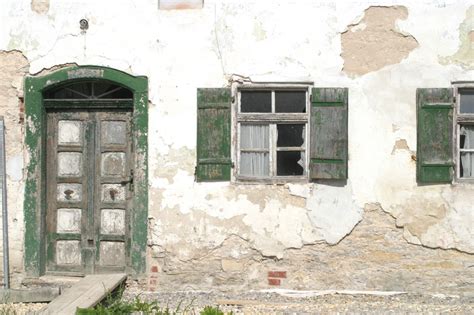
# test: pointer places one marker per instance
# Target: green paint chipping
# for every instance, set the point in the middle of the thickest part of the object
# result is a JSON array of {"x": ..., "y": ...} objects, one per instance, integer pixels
[
  {"x": 34, "y": 204},
  {"x": 465, "y": 54}
]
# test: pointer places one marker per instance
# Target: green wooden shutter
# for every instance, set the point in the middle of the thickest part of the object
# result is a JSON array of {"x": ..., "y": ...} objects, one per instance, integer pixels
[
  {"x": 434, "y": 135},
  {"x": 213, "y": 134},
  {"x": 329, "y": 138}
]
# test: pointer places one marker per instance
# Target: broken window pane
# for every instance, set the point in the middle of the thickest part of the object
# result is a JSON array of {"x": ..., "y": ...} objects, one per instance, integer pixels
[
  {"x": 254, "y": 164},
  {"x": 467, "y": 102},
  {"x": 255, "y": 101},
  {"x": 290, "y": 101},
  {"x": 254, "y": 136},
  {"x": 290, "y": 135},
  {"x": 289, "y": 163}
]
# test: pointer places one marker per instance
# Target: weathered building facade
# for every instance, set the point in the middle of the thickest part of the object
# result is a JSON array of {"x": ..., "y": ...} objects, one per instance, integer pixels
[{"x": 241, "y": 144}]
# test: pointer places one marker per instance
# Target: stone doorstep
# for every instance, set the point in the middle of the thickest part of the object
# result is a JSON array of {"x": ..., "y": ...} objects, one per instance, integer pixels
[{"x": 29, "y": 296}]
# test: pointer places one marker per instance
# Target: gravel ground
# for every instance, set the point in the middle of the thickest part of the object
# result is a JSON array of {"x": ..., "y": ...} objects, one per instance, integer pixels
[
  {"x": 315, "y": 303},
  {"x": 286, "y": 302},
  {"x": 20, "y": 308}
]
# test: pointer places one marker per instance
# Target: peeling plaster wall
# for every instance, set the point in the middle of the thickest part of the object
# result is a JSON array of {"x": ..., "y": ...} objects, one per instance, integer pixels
[
  {"x": 13, "y": 68},
  {"x": 198, "y": 227}
]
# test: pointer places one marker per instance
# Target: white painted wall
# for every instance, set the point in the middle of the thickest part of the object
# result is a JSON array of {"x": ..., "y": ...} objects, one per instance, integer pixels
[{"x": 180, "y": 50}]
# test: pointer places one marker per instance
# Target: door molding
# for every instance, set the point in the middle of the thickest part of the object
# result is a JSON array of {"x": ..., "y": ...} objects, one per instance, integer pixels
[{"x": 34, "y": 206}]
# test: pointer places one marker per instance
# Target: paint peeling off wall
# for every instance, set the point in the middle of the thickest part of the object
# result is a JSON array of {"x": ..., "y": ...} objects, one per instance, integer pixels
[
  {"x": 375, "y": 42},
  {"x": 14, "y": 66},
  {"x": 465, "y": 54},
  {"x": 40, "y": 6},
  {"x": 357, "y": 234}
]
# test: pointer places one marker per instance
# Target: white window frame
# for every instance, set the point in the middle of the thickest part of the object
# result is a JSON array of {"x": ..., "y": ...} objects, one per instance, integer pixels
[
  {"x": 458, "y": 120},
  {"x": 272, "y": 119}
]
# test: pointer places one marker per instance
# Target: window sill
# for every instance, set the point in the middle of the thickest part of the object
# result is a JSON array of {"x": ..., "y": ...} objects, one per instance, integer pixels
[{"x": 464, "y": 181}]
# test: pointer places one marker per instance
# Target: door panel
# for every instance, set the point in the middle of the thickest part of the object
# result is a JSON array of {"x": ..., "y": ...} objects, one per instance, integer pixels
[
  {"x": 66, "y": 190},
  {"x": 89, "y": 190},
  {"x": 114, "y": 190}
]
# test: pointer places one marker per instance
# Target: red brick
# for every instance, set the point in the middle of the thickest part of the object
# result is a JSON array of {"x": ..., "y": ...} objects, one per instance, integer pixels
[
  {"x": 154, "y": 268},
  {"x": 277, "y": 274},
  {"x": 274, "y": 281}
]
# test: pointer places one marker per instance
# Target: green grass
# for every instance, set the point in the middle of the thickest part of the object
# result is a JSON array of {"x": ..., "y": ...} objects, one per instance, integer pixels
[{"x": 113, "y": 304}]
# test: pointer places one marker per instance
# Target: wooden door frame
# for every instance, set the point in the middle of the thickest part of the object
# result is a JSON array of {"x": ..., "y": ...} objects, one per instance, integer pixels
[{"x": 34, "y": 206}]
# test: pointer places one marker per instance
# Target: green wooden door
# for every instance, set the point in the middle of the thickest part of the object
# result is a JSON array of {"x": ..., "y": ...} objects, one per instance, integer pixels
[{"x": 89, "y": 191}]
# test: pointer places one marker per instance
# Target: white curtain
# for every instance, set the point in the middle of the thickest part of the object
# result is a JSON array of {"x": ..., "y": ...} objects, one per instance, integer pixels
[
  {"x": 254, "y": 137},
  {"x": 467, "y": 158}
]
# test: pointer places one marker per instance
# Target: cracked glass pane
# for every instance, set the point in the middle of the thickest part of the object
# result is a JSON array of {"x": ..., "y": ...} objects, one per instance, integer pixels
[
  {"x": 290, "y": 135},
  {"x": 289, "y": 163}
]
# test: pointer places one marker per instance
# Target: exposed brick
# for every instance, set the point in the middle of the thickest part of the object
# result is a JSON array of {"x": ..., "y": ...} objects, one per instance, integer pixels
[
  {"x": 153, "y": 282},
  {"x": 274, "y": 281},
  {"x": 277, "y": 274},
  {"x": 154, "y": 268}
]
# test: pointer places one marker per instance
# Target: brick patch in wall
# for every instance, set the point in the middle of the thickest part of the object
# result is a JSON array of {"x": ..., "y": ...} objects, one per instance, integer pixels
[
  {"x": 274, "y": 281},
  {"x": 277, "y": 274},
  {"x": 153, "y": 278},
  {"x": 276, "y": 277}
]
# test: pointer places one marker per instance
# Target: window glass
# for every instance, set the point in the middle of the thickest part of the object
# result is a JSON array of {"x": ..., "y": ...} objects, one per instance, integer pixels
[
  {"x": 467, "y": 102},
  {"x": 289, "y": 163},
  {"x": 466, "y": 143},
  {"x": 255, "y": 101},
  {"x": 290, "y": 135},
  {"x": 254, "y": 143},
  {"x": 254, "y": 136},
  {"x": 271, "y": 144},
  {"x": 290, "y": 101},
  {"x": 254, "y": 164}
]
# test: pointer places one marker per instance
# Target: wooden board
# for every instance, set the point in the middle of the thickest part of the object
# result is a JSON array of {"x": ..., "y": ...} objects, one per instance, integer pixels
[{"x": 86, "y": 293}]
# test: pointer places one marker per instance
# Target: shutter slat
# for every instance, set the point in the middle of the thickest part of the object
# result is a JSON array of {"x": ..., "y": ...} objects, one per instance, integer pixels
[
  {"x": 329, "y": 136},
  {"x": 213, "y": 134},
  {"x": 434, "y": 135}
]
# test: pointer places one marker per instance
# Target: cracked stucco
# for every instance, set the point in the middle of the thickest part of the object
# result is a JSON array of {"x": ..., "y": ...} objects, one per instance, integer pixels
[{"x": 233, "y": 40}]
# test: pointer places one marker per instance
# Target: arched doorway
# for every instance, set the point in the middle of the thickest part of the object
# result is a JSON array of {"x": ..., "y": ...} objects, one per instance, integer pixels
[{"x": 86, "y": 135}]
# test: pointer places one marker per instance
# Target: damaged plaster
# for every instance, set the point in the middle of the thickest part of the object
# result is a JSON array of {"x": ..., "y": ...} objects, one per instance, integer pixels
[
  {"x": 465, "y": 54},
  {"x": 205, "y": 234},
  {"x": 13, "y": 67},
  {"x": 375, "y": 41},
  {"x": 40, "y": 6}
]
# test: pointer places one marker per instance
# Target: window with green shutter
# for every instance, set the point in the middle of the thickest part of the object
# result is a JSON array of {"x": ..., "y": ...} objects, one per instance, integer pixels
[{"x": 280, "y": 133}]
